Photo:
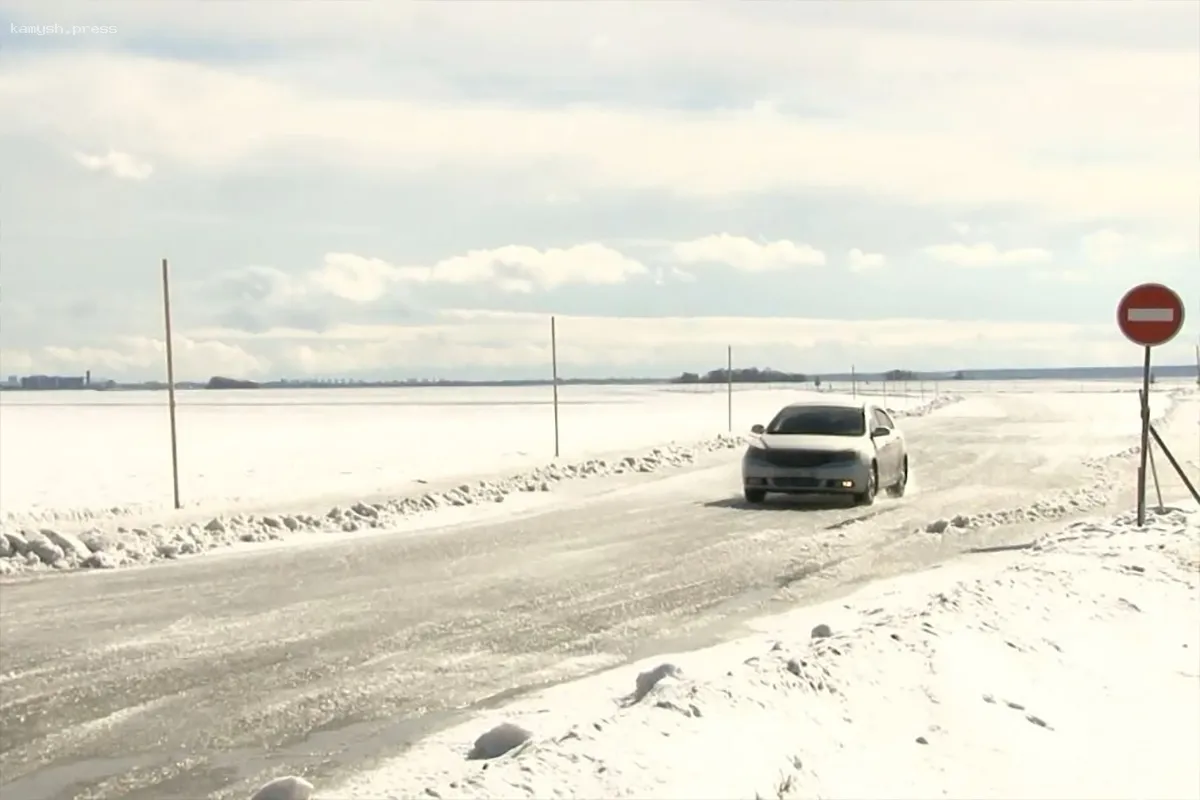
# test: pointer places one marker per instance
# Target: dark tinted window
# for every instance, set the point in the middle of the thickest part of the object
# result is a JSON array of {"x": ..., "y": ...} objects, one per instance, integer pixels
[{"x": 819, "y": 421}]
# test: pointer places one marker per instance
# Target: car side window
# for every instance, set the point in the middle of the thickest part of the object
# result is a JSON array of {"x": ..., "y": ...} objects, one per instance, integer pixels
[{"x": 885, "y": 419}]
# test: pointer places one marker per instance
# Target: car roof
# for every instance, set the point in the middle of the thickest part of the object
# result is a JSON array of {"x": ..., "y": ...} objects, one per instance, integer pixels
[{"x": 831, "y": 402}]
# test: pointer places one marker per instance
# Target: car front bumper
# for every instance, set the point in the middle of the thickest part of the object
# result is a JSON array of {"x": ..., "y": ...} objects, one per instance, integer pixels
[{"x": 848, "y": 478}]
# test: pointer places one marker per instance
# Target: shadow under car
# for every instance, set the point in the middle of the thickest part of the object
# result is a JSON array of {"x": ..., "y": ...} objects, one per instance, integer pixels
[{"x": 786, "y": 502}]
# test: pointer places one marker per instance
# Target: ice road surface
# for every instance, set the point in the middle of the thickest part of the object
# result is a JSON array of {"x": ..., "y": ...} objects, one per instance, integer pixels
[{"x": 1069, "y": 670}]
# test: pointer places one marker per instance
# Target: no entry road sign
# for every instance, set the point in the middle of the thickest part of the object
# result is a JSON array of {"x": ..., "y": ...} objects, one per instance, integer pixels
[{"x": 1150, "y": 314}]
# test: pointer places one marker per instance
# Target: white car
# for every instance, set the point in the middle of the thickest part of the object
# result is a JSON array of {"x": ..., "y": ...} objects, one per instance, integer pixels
[{"x": 826, "y": 447}]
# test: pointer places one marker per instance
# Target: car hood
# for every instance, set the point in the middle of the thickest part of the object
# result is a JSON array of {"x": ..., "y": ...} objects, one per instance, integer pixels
[{"x": 775, "y": 441}]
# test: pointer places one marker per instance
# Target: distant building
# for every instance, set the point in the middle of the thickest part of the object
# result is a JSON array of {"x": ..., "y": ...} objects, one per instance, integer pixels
[
  {"x": 13, "y": 380},
  {"x": 45, "y": 382}
]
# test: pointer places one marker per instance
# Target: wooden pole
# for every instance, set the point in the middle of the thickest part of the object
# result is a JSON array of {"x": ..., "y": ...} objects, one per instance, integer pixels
[
  {"x": 554, "y": 376},
  {"x": 729, "y": 386},
  {"x": 166, "y": 288}
]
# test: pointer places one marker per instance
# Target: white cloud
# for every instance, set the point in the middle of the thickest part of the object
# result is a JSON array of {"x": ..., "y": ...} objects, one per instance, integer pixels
[
  {"x": 511, "y": 268},
  {"x": 520, "y": 268},
  {"x": 138, "y": 355},
  {"x": 665, "y": 275},
  {"x": 746, "y": 254},
  {"x": 355, "y": 278},
  {"x": 858, "y": 261},
  {"x": 117, "y": 164},
  {"x": 1108, "y": 248},
  {"x": 986, "y": 254}
]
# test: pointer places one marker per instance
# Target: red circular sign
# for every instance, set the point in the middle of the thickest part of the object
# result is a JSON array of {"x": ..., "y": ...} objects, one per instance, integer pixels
[{"x": 1150, "y": 314}]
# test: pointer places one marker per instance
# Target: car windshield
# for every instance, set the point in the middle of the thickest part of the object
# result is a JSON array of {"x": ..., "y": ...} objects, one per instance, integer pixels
[{"x": 819, "y": 421}]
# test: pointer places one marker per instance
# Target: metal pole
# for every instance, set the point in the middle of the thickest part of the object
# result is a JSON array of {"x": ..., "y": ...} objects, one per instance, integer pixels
[
  {"x": 853, "y": 382},
  {"x": 1141, "y": 476},
  {"x": 1153, "y": 470},
  {"x": 1157, "y": 485},
  {"x": 729, "y": 386},
  {"x": 1175, "y": 464},
  {"x": 554, "y": 374},
  {"x": 166, "y": 287}
]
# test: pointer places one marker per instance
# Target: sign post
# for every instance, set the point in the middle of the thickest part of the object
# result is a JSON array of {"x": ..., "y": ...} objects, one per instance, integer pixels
[
  {"x": 166, "y": 291},
  {"x": 729, "y": 386},
  {"x": 554, "y": 378},
  {"x": 1149, "y": 315}
]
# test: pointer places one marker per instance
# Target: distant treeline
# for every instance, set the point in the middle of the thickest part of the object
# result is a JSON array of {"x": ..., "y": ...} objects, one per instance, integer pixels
[
  {"x": 219, "y": 382},
  {"x": 768, "y": 375},
  {"x": 746, "y": 375}
]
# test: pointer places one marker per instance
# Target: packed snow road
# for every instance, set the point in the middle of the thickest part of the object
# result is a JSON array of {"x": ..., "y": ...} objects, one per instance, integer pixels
[{"x": 202, "y": 677}]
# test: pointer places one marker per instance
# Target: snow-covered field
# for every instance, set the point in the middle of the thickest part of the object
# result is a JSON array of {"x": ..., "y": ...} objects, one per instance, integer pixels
[{"x": 1068, "y": 670}]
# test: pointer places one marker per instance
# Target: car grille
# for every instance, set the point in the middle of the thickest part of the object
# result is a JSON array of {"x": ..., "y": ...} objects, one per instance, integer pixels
[
  {"x": 804, "y": 458},
  {"x": 797, "y": 483}
]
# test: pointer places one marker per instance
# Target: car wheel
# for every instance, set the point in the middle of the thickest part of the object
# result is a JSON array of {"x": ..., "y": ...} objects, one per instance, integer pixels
[
  {"x": 897, "y": 489},
  {"x": 755, "y": 495},
  {"x": 868, "y": 497}
]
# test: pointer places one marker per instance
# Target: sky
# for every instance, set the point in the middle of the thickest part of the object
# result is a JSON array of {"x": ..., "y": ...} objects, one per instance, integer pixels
[{"x": 347, "y": 188}]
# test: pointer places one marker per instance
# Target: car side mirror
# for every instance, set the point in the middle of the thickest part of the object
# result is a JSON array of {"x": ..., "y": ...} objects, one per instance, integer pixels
[
  {"x": 880, "y": 432},
  {"x": 758, "y": 429}
]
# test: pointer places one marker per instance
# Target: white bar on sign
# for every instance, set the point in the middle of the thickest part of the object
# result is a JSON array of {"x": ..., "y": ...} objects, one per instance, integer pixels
[{"x": 1150, "y": 315}]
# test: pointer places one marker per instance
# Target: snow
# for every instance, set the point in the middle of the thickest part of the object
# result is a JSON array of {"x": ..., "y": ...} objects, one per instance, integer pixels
[{"x": 1070, "y": 669}]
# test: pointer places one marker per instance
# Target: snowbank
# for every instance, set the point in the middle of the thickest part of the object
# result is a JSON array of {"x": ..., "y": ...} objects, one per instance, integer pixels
[
  {"x": 927, "y": 408},
  {"x": 48, "y": 548},
  {"x": 1069, "y": 670}
]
